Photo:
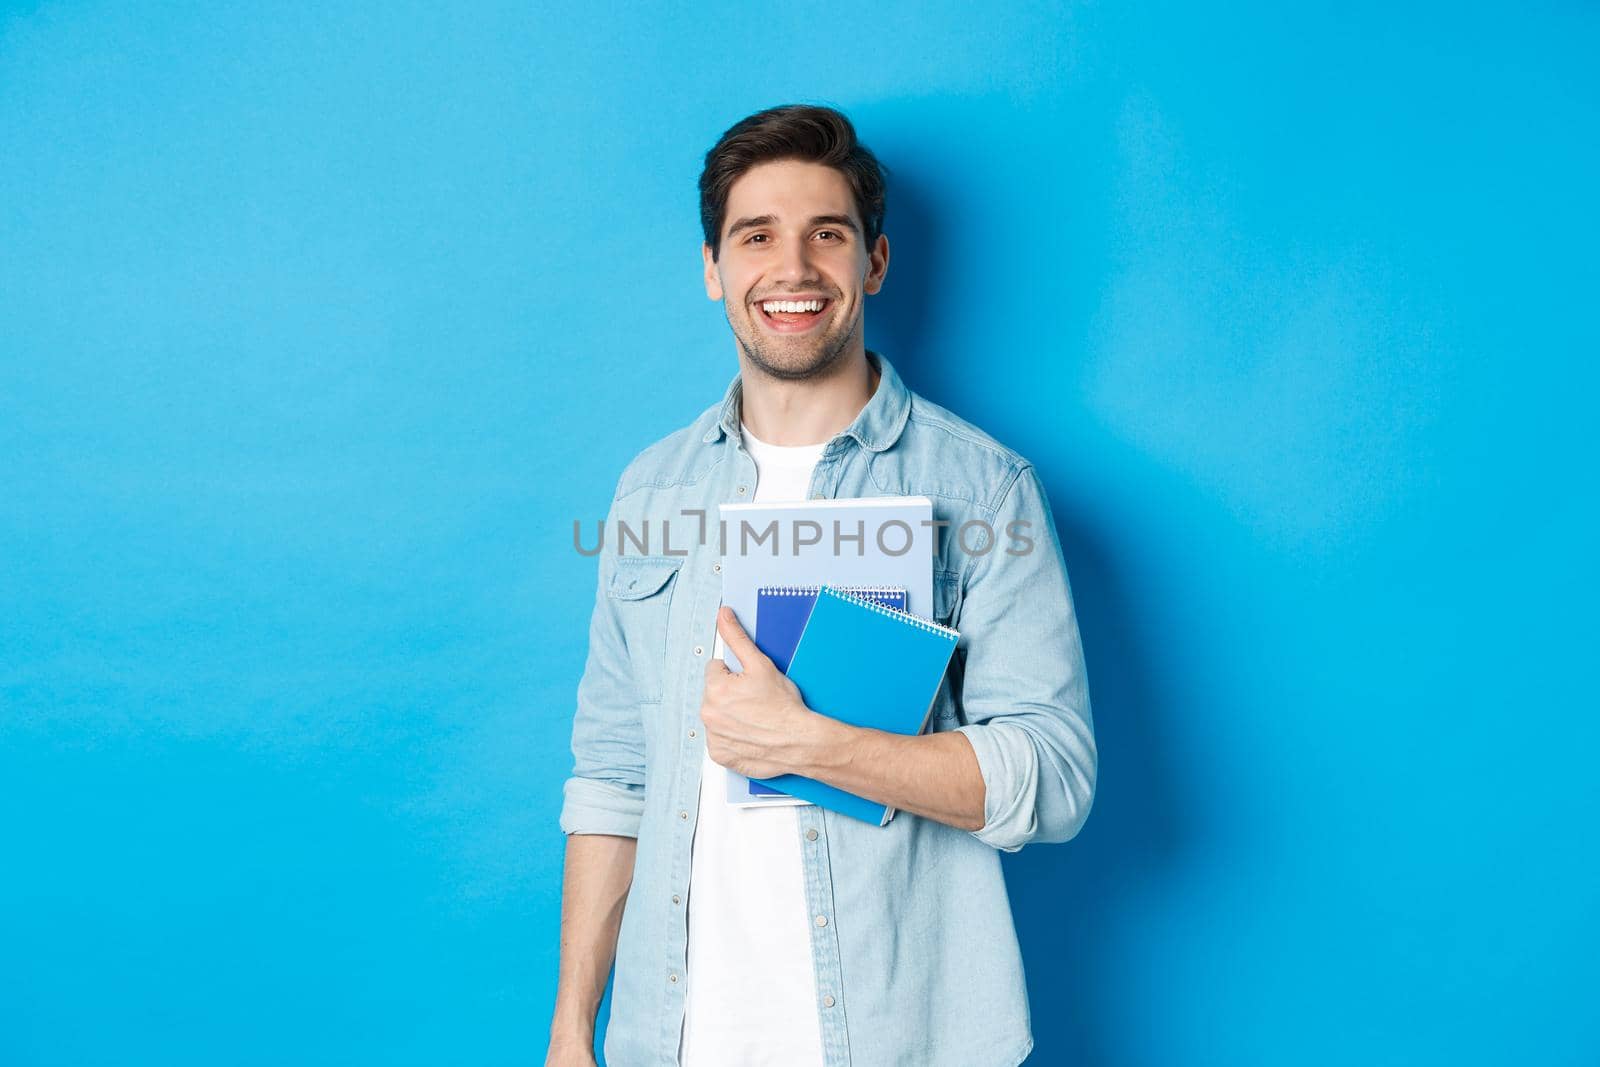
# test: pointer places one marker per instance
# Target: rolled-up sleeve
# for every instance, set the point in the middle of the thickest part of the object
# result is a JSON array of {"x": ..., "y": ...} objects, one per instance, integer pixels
[
  {"x": 1025, "y": 694},
  {"x": 605, "y": 793}
]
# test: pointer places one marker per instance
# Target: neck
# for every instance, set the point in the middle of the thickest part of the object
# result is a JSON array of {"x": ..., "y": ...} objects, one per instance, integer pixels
[{"x": 806, "y": 412}]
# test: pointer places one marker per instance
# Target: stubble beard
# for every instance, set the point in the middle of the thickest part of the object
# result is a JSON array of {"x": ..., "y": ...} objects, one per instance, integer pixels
[{"x": 768, "y": 354}]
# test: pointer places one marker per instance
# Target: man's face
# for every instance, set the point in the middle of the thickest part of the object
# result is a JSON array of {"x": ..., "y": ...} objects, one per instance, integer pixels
[{"x": 791, "y": 232}]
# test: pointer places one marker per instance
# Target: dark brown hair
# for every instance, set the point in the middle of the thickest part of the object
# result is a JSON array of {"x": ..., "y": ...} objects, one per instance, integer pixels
[{"x": 794, "y": 131}]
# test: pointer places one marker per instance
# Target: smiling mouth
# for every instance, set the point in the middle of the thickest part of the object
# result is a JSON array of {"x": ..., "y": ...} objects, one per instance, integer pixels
[{"x": 792, "y": 316}]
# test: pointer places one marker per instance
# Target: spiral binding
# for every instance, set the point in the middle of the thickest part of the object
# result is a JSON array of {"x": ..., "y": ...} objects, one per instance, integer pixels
[
  {"x": 813, "y": 590},
  {"x": 903, "y": 616}
]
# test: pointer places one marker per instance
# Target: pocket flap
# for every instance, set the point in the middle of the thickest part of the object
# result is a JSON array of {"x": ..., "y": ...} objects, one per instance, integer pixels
[{"x": 637, "y": 577}]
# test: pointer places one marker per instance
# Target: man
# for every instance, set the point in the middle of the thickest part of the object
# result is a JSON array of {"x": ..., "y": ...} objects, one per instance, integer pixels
[{"x": 795, "y": 935}]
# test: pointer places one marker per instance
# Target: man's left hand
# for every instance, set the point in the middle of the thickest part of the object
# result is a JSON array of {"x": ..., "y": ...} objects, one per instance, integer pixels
[{"x": 756, "y": 722}]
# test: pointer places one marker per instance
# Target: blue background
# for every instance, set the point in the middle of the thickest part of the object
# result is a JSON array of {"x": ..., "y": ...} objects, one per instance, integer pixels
[{"x": 319, "y": 328}]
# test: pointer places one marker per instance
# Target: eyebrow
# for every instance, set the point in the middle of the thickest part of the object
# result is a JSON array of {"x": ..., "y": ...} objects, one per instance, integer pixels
[{"x": 842, "y": 221}]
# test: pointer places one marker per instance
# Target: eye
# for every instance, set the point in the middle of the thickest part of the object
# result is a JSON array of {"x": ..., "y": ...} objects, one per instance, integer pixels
[
  {"x": 753, "y": 236},
  {"x": 833, "y": 233}
]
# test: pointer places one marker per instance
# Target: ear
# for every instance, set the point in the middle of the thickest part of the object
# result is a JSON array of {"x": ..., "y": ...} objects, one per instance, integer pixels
[
  {"x": 877, "y": 265},
  {"x": 713, "y": 278}
]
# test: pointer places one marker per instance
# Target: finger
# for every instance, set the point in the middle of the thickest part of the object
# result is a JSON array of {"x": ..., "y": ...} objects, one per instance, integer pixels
[{"x": 734, "y": 637}]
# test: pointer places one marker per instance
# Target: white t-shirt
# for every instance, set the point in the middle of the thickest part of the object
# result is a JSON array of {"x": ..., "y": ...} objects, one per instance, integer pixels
[{"x": 751, "y": 999}]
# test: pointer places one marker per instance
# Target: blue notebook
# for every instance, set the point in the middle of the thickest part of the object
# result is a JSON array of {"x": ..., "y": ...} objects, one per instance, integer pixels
[
  {"x": 781, "y": 614},
  {"x": 782, "y": 611},
  {"x": 866, "y": 665}
]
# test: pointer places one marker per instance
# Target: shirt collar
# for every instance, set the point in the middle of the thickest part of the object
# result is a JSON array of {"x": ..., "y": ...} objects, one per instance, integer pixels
[{"x": 876, "y": 428}]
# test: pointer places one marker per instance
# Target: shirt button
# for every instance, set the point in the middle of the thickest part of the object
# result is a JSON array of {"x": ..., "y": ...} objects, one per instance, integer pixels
[
  {"x": 716, "y": 568},
  {"x": 811, "y": 835},
  {"x": 741, "y": 490},
  {"x": 683, "y": 815},
  {"x": 822, "y": 920},
  {"x": 698, "y": 650},
  {"x": 693, "y": 734},
  {"x": 672, "y": 978},
  {"x": 674, "y": 898},
  {"x": 827, "y": 1001}
]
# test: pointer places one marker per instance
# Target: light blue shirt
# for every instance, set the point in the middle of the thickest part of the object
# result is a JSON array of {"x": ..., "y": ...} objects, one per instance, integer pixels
[{"x": 915, "y": 955}]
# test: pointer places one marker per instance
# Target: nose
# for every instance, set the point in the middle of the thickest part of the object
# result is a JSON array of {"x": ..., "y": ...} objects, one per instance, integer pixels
[{"x": 794, "y": 264}]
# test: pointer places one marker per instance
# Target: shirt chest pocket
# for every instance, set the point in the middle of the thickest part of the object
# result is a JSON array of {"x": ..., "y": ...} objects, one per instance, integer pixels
[{"x": 641, "y": 594}]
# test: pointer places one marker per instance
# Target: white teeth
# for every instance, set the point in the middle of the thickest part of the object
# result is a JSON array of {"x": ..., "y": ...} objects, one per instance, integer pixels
[{"x": 791, "y": 306}]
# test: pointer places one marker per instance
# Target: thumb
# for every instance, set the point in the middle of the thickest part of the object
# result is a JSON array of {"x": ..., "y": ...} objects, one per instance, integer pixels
[{"x": 734, "y": 637}]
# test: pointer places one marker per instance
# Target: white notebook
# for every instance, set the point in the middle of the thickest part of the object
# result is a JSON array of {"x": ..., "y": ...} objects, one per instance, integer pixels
[{"x": 883, "y": 540}]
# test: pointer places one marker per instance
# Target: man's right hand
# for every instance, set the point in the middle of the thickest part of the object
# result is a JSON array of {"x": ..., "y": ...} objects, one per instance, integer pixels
[
  {"x": 594, "y": 891},
  {"x": 570, "y": 1052}
]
